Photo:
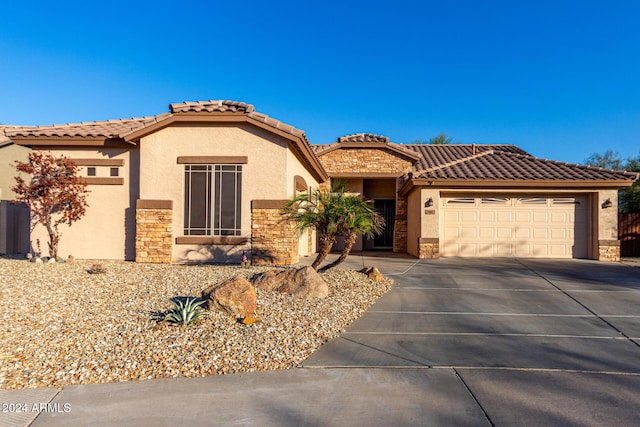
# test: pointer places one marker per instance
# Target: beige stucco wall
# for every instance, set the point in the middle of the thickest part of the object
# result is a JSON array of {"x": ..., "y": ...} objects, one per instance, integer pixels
[
  {"x": 107, "y": 231},
  {"x": 296, "y": 167},
  {"x": 414, "y": 221},
  {"x": 8, "y": 154},
  {"x": 306, "y": 243},
  {"x": 607, "y": 218},
  {"x": 268, "y": 175}
]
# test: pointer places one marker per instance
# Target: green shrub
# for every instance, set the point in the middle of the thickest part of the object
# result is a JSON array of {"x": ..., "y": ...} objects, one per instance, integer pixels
[{"x": 184, "y": 312}]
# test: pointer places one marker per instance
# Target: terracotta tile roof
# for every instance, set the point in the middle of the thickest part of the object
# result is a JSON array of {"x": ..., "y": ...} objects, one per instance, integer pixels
[
  {"x": 366, "y": 140},
  {"x": 364, "y": 137},
  {"x": 106, "y": 129},
  {"x": 219, "y": 106},
  {"x": 123, "y": 127},
  {"x": 234, "y": 107},
  {"x": 438, "y": 154},
  {"x": 497, "y": 165},
  {"x": 131, "y": 130}
]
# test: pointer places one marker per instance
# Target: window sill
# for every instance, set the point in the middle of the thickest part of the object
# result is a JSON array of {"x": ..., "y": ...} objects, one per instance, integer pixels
[
  {"x": 90, "y": 180},
  {"x": 210, "y": 240}
]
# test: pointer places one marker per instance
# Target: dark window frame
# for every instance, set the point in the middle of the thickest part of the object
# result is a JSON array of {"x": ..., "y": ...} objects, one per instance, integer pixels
[{"x": 213, "y": 200}]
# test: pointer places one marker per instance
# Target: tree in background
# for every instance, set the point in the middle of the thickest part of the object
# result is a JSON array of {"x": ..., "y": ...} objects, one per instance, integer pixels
[
  {"x": 629, "y": 197},
  {"x": 333, "y": 213},
  {"x": 439, "y": 139},
  {"x": 608, "y": 160},
  {"x": 55, "y": 193}
]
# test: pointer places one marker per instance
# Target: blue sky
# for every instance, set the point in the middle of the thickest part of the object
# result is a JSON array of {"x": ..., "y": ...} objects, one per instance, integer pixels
[{"x": 561, "y": 79}]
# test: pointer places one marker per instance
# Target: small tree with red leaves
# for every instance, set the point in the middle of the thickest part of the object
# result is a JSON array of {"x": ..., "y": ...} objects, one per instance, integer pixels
[{"x": 55, "y": 194}]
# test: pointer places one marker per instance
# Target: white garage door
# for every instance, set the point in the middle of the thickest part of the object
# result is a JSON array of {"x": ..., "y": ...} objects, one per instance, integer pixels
[{"x": 514, "y": 226}]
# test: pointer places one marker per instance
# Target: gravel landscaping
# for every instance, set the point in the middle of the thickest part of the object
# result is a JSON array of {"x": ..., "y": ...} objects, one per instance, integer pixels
[{"x": 61, "y": 325}]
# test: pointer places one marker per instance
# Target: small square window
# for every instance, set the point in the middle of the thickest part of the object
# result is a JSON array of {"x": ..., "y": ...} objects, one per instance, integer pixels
[
  {"x": 114, "y": 172},
  {"x": 91, "y": 171}
]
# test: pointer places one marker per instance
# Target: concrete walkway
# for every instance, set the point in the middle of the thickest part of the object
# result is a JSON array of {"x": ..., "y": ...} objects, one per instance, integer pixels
[{"x": 455, "y": 342}]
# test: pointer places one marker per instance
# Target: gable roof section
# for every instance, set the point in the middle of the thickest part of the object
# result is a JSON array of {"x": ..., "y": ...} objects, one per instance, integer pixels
[
  {"x": 368, "y": 140},
  {"x": 129, "y": 131},
  {"x": 495, "y": 168}
]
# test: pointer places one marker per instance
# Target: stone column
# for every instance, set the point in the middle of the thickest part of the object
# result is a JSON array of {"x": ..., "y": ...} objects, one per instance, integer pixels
[
  {"x": 154, "y": 231},
  {"x": 273, "y": 240},
  {"x": 609, "y": 250},
  {"x": 400, "y": 226},
  {"x": 428, "y": 248}
]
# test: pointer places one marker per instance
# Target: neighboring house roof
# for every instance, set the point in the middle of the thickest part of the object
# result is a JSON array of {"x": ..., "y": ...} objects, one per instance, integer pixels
[{"x": 131, "y": 130}]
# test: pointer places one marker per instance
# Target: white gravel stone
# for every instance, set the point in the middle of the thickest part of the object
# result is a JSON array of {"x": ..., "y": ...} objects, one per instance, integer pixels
[{"x": 60, "y": 325}]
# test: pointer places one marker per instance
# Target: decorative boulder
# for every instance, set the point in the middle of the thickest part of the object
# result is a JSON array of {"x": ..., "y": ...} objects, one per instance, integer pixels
[
  {"x": 304, "y": 282},
  {"x": 234, "y": 296},
  {"x": 268, "y": 281},
  {"x": 372, "y": 273}
]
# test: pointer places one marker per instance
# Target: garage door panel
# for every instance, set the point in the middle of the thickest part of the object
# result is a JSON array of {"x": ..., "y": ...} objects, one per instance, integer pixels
[
  {"x": 468, "y": 216},
  {"x": 451, "y": 233},
  {"x": 505, "y": 216},
  {"x": 504, "y": 233},
  {"x": 468, "y": 233},
  {"x": 559, "y": 234},
  {"x": 487, "y": 216},
  {"x": 451, "y": 217},
  {"x": 540, "y": 217},
  {"x": 537, "y": 226},
  {"x": 561, "y": 217},
  {"x": 559, "y": 251},
  {"x": 540, "y": 233},
  {"x": 488, "y": 233},
  {"x": 502, "y": 249}
]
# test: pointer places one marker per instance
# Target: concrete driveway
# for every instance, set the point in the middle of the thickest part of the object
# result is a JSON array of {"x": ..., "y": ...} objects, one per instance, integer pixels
[
  {"x": 456, "y": 342},
  {"x": 535, "y": 342}
]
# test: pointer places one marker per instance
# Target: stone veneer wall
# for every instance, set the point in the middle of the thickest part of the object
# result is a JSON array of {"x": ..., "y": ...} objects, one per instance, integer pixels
[
  {"x": 372, "y": 161},
  {"x": 428, "y": 248},
  {"x": 154, "y": 231},
  {"x": 609, "y": 250},
  {"x": 363, "y": 160},
  {"x": 273, "y": 241}
]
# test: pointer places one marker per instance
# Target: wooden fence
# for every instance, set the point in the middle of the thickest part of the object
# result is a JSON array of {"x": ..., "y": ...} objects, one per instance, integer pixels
[{"x": 629, "y": 234}]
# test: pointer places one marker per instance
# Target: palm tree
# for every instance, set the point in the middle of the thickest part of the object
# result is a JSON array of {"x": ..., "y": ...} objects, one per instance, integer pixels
[
  {"x": 359, "y": 218},
  {"x": 333, "y": 213},
  {"x": 441, "y": 139}
]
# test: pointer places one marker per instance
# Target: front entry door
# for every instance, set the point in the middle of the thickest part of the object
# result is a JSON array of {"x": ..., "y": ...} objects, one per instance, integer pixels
[{"x": 386, "y": 208}]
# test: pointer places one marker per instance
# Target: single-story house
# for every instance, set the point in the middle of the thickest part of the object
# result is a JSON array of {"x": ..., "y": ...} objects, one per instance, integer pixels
[{"x": 206, "y": 180}]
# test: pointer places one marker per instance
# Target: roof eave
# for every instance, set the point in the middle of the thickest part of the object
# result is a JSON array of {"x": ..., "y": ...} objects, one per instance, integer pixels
[
  {"x": 498, "y": 183},
  {"x": 64, "y": 141},
  {"x": 135, "y": 135}
]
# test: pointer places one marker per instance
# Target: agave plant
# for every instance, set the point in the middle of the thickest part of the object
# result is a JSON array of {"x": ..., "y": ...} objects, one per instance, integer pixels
[{"x": 184, "y": 312}]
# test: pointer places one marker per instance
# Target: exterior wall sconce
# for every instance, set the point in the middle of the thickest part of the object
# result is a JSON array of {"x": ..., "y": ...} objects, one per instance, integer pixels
[
  {"x": 428, "y": 203},
  {"x": 607, "y": 204}
]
